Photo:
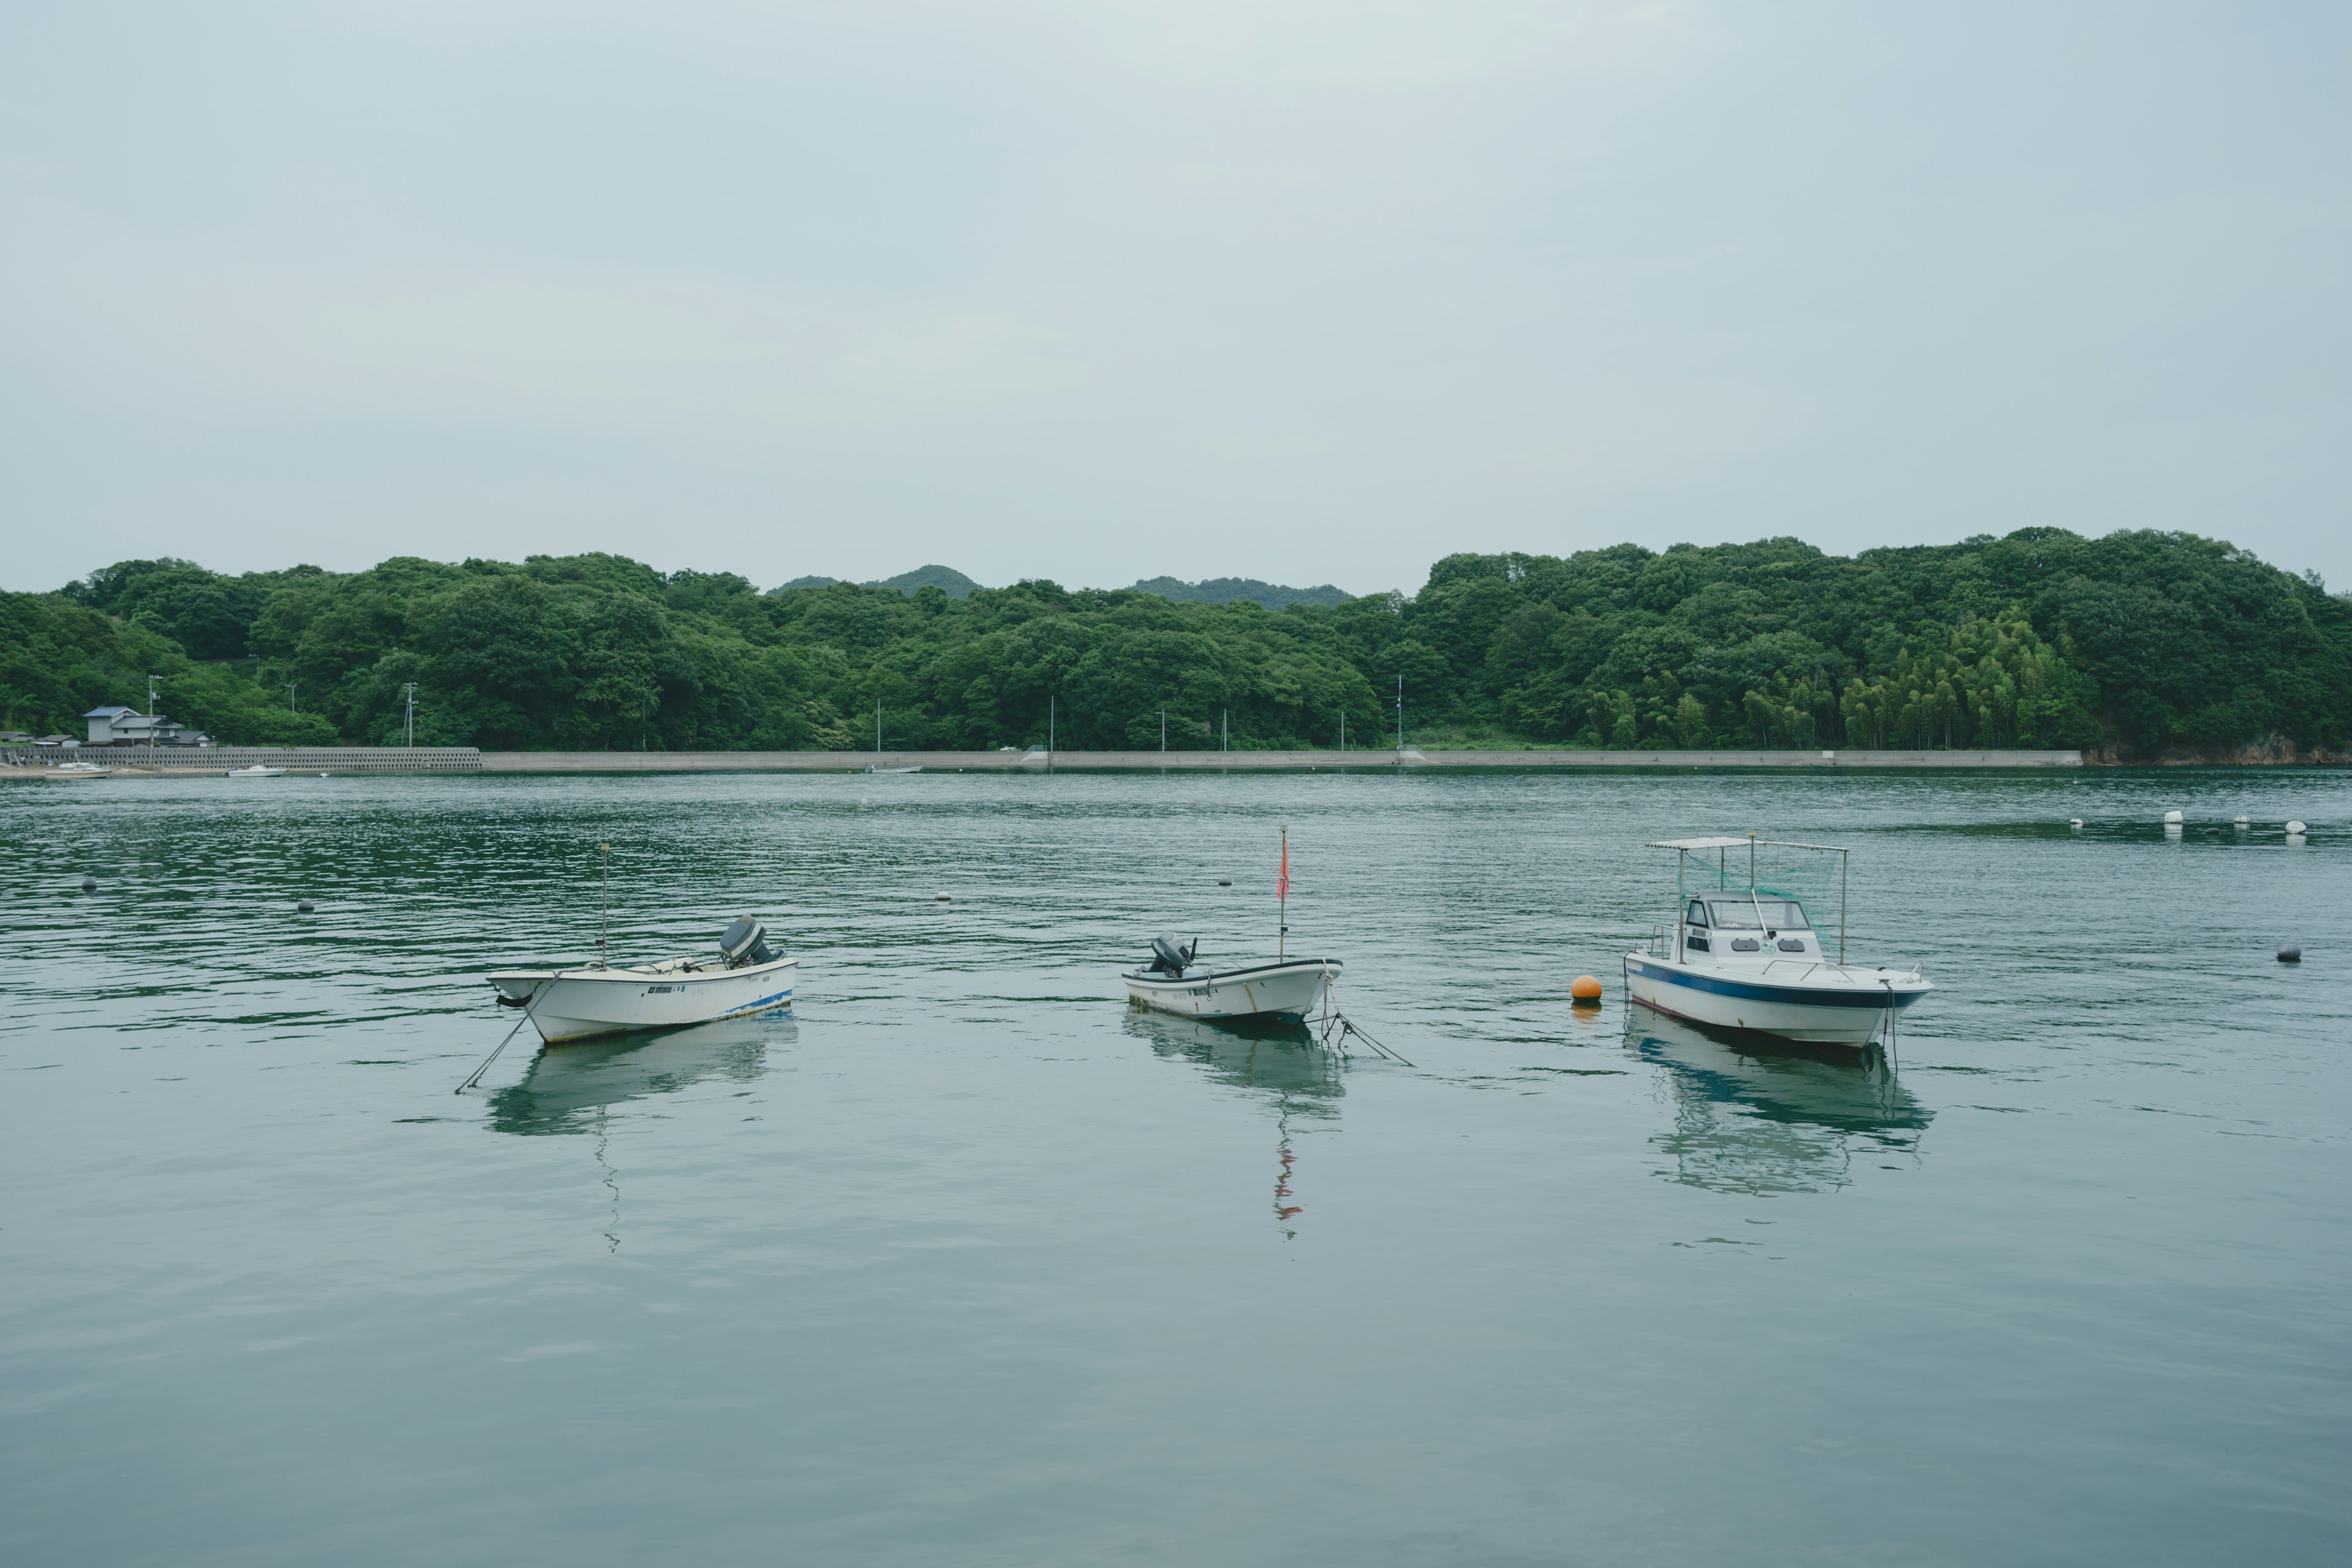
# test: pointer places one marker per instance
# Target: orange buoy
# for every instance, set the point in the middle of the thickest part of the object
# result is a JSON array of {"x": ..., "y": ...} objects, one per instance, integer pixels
[{"x": 1586, "y": 991}]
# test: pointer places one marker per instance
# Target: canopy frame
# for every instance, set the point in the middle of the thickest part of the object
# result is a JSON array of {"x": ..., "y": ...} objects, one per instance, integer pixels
[{"x": 1685, "y": 847}]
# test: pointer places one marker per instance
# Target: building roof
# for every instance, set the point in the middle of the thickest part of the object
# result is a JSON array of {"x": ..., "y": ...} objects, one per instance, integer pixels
[{"x": 109, "y": 712}]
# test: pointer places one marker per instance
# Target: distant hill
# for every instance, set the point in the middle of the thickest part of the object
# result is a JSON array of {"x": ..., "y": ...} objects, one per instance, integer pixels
[
  {"x": 955, "y": 583},
  {"x": 1225, "y": 590}
]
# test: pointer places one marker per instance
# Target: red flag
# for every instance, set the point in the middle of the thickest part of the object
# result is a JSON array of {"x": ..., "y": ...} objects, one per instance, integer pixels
[{"x": 1282, "y": 888}]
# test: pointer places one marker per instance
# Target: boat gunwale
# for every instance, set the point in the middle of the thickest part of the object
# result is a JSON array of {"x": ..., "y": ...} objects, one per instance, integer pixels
[
  {"x": 1875, "y": 995},
  {"x": 636, "y": 973},
  {"x": 1158, "y": 977}
]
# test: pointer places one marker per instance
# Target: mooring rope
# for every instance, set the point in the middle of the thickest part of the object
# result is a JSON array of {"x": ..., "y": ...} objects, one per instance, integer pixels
[
  {"x": 477, "y": 1076},
  {"x": 1333, "y": 1019}
]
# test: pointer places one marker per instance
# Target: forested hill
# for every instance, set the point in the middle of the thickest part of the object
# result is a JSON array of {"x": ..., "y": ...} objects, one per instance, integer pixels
[
  {"x": 2142, "y": 645},
  {"x": 1225, "y": 590}
]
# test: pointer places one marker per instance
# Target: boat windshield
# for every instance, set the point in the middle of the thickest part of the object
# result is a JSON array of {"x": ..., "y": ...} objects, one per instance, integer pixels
[{"x": 1740, "y": 913}]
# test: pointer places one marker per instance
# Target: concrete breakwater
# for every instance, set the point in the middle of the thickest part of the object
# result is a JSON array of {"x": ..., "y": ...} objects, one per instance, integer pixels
[
  {"x": 180, "y": 760},
  {"x": 1237, "y": 762},
  {"x": 173, "y": 761}
]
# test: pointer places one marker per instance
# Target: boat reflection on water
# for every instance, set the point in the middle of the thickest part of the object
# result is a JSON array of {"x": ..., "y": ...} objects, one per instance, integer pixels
[
  {"x": 1299, "y": 1078},
  {"x": 569, "y": 1088},
  {"x": 1753, "y": 1115}
]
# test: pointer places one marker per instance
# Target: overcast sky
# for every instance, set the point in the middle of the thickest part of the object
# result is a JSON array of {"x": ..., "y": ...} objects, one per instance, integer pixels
[{"x": 1310, "y": 292}]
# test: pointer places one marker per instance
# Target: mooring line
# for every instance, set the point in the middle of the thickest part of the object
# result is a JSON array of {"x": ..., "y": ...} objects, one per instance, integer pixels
[
  {"x": 1347, "y": 1027},
  {"x": 477, "y": 1076}
]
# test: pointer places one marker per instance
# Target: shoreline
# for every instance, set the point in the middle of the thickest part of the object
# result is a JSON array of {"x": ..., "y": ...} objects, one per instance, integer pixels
[
  {"x": 219, "y": 760},
  {"x": 213, "y": 761}
]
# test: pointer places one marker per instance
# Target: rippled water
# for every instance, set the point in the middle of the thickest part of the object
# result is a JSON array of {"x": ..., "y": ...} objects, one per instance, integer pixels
[{"x": 966, "y": 1263}]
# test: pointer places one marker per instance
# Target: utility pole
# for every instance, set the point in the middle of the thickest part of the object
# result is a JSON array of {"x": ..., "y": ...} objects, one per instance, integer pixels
[
  {"x": 289, "y": 699},
  {"x": 1163, "y": 731},
  {"x": 1226, "y": 725},
  {"x": 1400, "y": 715},
  {"x": 408, "y": 726},
  {"x": 1050, "y": 702},
  {"x": 878, "y": 732},
  {"x": 150, "y": 699},
  {"x": 1343, "y": 731}
]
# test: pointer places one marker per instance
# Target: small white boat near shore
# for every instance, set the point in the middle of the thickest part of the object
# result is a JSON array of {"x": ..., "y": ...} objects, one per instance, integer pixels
[
  {"x": 69, "y": 773},
  {"x": 1284, "y": 989},
  {"x": 257, "y": 771},
  {"x": 746, "y": 978},
  {"x": 1750, "y": 958}
]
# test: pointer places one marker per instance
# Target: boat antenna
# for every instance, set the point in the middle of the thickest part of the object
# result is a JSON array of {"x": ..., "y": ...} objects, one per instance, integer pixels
[
  {"x": 604, "y": 908},
  {"x": 1282, "y": 897}
]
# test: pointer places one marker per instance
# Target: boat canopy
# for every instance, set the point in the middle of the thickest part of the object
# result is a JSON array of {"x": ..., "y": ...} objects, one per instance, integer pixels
[{"x": 1751, "y": 843}]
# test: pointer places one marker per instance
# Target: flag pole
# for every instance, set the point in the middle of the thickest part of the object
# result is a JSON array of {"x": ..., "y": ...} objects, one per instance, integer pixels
[{"x": 1282, "y": 897}]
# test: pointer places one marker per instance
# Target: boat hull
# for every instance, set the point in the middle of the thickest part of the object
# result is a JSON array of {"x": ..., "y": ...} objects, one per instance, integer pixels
[
  {"x": 1822, "y": 1003},
  {"x": 581, "y": 1003},
  {"x": 1286, "y": 990}
]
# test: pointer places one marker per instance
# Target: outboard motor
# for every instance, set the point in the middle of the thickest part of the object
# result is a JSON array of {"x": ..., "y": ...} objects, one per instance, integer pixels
[
  {"x": 745, "y": 942},
  {"x": 1168, "y": 958}
]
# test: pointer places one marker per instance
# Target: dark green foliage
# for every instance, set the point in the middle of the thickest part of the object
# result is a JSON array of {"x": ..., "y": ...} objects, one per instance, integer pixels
[
  {"x": 2148, "y": 644},
  {"x": 1225, "y": 590},
  {"x": 2143, "y": 644}
]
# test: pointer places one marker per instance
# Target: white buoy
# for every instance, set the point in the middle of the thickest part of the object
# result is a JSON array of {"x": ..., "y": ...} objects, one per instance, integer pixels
[
  {"x": 2243, "y": 819},
  {"x": 2074, "y": 822},
  {"x": 2298, "y": 828},
  {"x": 2172, "y": 819}
]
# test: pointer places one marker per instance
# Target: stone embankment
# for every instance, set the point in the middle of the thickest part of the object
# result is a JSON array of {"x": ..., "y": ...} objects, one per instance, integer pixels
[
  {"x": 1237, "y": 762},
  {"x": 181, "y": 760},
  {"x": 177, "y": 760}
]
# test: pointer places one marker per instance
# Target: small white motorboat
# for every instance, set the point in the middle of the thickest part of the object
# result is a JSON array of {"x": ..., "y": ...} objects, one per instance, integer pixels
[
  {"x": 1285, "y": 989},
  {"x": 747, "y": 978},
  {"x": 257, "y": 772},
  {"x": 67, "y": 773},
  {"x": 1750, "y": 958},
  {"x": 883, "y": 770},
  {"x": 1280, "y": 990}
]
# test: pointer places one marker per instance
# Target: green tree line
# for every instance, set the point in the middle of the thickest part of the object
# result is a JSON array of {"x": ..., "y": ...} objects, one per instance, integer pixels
[{"x": 2139, "y": 644}]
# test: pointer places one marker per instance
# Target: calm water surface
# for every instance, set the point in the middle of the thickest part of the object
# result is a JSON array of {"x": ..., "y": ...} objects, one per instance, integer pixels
[{"x": 966, "y": 1263}]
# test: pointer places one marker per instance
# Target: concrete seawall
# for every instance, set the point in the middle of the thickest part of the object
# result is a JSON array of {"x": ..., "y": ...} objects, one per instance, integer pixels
[
  {"x": 1237, "y": 762},
  {"x": 215, "y": 759},
  {"x": 170, "y": 760}
]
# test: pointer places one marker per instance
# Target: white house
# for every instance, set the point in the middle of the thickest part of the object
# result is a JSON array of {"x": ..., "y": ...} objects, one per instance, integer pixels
[{"x": 120, "y": 726}]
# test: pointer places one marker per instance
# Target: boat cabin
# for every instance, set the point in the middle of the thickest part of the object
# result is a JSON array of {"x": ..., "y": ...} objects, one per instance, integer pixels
[{"x": 1725, "y": 925}]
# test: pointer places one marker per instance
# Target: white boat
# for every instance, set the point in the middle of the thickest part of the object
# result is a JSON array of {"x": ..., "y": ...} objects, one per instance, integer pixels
[
  {"x": 1279, "y": 988},
  {"x": 1751, "y": 958},
  {"x": 745, "y": 979},
  {"x": 883, "y": 770},
  {"x": 257, "y": 772},
  {"x": 67, "y": 773}
]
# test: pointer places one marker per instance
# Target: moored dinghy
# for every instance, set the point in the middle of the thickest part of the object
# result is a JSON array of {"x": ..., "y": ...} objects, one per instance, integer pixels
[
  {"x": 1750, "y": 958},
  {"x": 1284, "y": 988},
  {"x": 748, "y": 977},
  {"x": 1281, "y": 989}
]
